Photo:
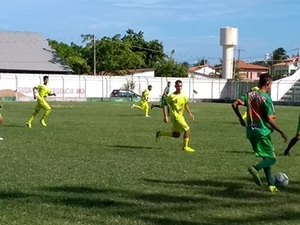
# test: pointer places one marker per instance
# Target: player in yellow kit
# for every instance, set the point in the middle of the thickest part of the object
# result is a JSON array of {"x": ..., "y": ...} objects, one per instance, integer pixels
[
  {"x": 40, "y": 93},
  {"x": 177, "y": 103},
  {"x": 144, "y": 105}
]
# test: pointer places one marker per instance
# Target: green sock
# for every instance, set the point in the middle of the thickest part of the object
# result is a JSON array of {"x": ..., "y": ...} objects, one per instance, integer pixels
[
  {"x": 269, "y": 177},
  {"x": 265, "y": 163}
]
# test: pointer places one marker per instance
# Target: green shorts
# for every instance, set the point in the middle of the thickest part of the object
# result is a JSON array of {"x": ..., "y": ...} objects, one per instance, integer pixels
[
  {"x": 262, "y": 146},
  {"x": 163, "y": 101}
]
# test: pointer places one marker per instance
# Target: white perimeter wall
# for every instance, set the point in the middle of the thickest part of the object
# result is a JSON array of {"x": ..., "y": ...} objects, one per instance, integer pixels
[{"x": 74, "y": 87}]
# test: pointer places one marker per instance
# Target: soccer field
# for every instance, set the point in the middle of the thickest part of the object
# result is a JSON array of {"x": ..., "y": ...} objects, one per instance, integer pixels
[{"x": 98, "y": 163}]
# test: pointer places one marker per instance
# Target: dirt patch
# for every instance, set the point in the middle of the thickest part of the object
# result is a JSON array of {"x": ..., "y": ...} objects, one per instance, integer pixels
[{"x": 8, "y": 93}]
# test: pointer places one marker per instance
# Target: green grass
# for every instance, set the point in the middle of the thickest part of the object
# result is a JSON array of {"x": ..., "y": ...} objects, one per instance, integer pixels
[{"x": 98, "y": 163}]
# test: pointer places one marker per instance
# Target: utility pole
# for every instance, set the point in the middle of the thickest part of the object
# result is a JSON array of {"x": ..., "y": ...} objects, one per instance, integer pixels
[
  {"x": 236, "y": 61},
  {"x": 94, "y": 44}
]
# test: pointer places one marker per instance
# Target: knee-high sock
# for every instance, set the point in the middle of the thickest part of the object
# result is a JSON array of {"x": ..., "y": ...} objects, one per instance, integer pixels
[
  {"x": 147, "y": 110},
  {"x": 33, "y": 115},
  {"x": 46, "y": 113},
  {"x": 268, "y": 174},
  {"x": 266, "y": 162},
  {"x": 186, "y": 142},
  {"x": 292, "y": 143}
]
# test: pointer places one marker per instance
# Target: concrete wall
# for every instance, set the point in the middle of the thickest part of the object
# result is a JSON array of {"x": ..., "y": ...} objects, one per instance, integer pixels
[{"x": 74, "y": 87}]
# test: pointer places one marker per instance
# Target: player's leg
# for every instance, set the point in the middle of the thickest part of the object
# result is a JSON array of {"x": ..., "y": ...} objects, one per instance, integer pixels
[
  {"x": 139, "y": 106},
  {"x": 47, "y": 111},
  {"x": 175, "y": 133},
  {"x": 161, "y": 105},
  {"x": 252, "y": 170},
  {"x": 37, "y": 109},
  {"x": 244, "y": 116},
  {"x": 146, "y": 108},
  {"x": 293, "y": 141},
  {"x": 264, "y": 148},
  {"x": 155, "y": 106},
  {"x": 268, "y": 174},
  {"x": 182, "y": 125}
]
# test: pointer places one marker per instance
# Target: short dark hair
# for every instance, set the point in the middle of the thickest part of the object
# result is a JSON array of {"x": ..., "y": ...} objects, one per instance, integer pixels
[
  {"x": 45, "y": 77},
  {"x": 264, "y": 79},
  {"x": 178, "y": 81}
]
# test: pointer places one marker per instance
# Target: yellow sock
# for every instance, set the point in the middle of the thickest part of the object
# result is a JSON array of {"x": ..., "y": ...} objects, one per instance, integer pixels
[
  {"x": 31, "y": 118},
  {"x": 186, "y": 142},
  {"x": 166, "y": 133},
  {"x": 244, "y": 116},
  {"x": 46, "y": 113}
]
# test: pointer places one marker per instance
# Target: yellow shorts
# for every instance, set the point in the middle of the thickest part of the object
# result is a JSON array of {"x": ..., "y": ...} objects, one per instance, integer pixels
[
  {"x": 179, "y": 124},
  {"x": 143, "y": 105},
  {"x": 42, "y": 104}
]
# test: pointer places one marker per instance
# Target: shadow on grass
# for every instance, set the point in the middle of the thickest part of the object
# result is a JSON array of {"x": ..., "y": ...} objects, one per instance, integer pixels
[
  {"x": 133, "y": 147},
  {"x": 225, "y": 189},
  {"x": 268, "y": 217},
  {"x": 240, "y": 152},
  {"x": 14, "y": 125},
  {"x": 131, "y": 115},
  {"x": 185, "y": 208},
  {"x": 13, "y": 195},
  {"x": 75, "y": 189}
]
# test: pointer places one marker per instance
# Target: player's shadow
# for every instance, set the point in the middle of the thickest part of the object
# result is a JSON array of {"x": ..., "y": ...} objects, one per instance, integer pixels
[
  {"x": 78, "y": 196},
  {"x": 293, "y": 187},
  {"x": 13, "y": 195},
  {"x": 225, "y": 189},
  {"x": 76, "y": 189},
  {"x": 131, "y": 115},
  {"x": 133, "y": 147},
  {"x": 240, "y": 152},
  {"x": 14, "y": 125}
]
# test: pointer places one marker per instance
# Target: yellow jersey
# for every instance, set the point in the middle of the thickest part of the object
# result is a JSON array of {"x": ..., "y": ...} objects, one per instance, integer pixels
[
  {"x": 145, "y": 96},
  {"x": 177, "y": 103},
  {"x": 43, "y": 90}
]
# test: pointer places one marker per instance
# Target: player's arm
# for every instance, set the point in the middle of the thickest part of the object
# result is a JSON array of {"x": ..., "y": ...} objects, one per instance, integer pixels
[
  {"x": 34, "y": 90},
  {"x": 187, "y": 108},
  {"x": 272, "y": 123},
  {"x": 52, "y": 94},
  {"x": 165, "y": 112},
  {"x": 165, "y": 92},
  {"x": 235, "y": 106}
]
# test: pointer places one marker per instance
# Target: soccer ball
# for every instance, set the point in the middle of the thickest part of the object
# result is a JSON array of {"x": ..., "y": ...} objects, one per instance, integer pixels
[{"x": 281, "y": 179}]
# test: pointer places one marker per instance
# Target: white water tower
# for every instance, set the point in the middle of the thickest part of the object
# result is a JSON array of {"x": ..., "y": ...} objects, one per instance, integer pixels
[{"x": 228, "y": 40}]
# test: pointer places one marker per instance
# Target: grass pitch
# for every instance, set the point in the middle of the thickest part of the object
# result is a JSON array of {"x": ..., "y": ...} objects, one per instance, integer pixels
[{"x": 98, "y": 163}]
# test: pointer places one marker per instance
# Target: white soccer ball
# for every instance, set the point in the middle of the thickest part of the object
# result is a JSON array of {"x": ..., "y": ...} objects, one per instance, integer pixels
[{"x": 281, "y": 179}]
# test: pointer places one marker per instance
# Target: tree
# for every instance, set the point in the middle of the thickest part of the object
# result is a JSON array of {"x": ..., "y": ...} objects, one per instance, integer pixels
[
  {"x": 169, "y": 68},
  {"x": 201, "y": 62},
  {"x": 118, "y": 55},
  {"x": 279, "y": 55},
  {"x": 151, "y": 51},
  {"x": 113, "y": 56},
  {"x": 71, "y": 55}
]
